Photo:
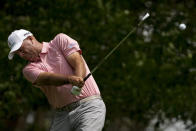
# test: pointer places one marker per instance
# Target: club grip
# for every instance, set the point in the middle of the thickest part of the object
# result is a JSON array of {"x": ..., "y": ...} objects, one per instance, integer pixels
[
  {"x": 76, "y": 90},
  {"x": 85, "y": 78}
]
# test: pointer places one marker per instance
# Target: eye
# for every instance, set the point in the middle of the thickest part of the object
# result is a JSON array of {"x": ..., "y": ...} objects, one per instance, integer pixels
[{"x": 20, "y": 51}]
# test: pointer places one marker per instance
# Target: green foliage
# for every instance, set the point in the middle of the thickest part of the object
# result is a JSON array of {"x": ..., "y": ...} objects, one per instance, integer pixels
[{"x": 149, "y": 74}]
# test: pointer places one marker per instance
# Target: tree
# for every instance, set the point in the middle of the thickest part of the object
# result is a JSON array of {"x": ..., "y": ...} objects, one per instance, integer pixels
[{"x": 152, "y": 72}]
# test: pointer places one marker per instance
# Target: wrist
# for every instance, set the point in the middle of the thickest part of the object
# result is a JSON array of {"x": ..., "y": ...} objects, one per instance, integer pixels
[{"x": 67, "y": 80}]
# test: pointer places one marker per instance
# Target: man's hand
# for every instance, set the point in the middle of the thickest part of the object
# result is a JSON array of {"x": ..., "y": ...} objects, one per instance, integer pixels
[{"x": 76, "y": 81}]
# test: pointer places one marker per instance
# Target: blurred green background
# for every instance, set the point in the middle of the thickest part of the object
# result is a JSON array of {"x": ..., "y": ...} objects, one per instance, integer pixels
[{"x": 152, "y": 75}]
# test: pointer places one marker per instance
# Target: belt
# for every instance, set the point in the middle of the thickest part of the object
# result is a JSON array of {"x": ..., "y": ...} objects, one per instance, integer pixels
[{"x": 74, "y": 105}]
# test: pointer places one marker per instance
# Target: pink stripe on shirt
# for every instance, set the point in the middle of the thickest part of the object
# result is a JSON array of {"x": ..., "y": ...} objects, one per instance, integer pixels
[{"x": 53, "y": 60}]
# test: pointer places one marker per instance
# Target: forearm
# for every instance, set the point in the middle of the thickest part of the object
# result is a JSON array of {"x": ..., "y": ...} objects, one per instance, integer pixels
[
  {"x": 80, "y": 70},
  {"x": 51, "y": 79},
  {"x": 78, "y": 64}
]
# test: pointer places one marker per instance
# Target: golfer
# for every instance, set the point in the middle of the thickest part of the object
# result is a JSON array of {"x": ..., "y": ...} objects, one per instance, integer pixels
[{"x": 55, "y": 67}]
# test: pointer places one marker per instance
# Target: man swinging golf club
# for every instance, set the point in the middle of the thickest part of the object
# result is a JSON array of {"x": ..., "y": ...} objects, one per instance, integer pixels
[{"x": 55, "y": 67}]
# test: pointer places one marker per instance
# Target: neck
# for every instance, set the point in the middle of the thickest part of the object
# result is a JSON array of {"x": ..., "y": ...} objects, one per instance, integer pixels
[{"x": 39, "y": 47}]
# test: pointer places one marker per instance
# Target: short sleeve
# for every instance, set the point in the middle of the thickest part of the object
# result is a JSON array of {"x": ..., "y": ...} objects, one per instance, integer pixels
[
  {"x": 66, "y": 44},
  {"x": 31, "y": 72}
]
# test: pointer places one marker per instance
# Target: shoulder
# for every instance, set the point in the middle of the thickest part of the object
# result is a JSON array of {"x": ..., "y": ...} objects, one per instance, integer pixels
[
  {"x": 63, "y": 40},
  {"x": 29, "y": 67},
  {"x": 31, "y": 71},
  {"x": 61, "y": 36}
]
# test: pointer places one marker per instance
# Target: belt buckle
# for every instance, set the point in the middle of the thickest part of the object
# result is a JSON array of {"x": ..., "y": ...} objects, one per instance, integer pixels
[
  {"x": 62, "y": 109},
  {"x": 69, "y": 107}
]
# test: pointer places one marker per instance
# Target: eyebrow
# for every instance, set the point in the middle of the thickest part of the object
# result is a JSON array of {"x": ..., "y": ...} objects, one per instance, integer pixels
[{"x": 19, "y": 50}]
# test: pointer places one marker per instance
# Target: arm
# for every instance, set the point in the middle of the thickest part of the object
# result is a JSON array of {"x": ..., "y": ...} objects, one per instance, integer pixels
[
  {"x": 54, "y": 79},
  {"x": 77, "y": 63},
  {"x": 71, "y": 51}
]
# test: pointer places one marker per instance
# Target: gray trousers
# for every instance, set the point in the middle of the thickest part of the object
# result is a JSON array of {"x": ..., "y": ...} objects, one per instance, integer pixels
[{"x": 88, "y": 116}]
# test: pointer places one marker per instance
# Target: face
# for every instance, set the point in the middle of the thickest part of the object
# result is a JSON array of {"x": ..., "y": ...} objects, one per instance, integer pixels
[{"x": 28, "y": 51}]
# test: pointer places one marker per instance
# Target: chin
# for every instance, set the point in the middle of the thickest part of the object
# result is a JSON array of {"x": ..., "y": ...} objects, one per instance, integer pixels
[
  {"x": 35, "y": 59},
  {"x": 30, "y": 59}
]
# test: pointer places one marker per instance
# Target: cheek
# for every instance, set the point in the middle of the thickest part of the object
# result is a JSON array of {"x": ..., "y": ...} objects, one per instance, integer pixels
[{"x": 28, "y": 51}]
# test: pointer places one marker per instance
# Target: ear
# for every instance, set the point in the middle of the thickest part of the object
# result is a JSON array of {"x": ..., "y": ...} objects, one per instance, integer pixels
[{"x": 30, "y": 37}]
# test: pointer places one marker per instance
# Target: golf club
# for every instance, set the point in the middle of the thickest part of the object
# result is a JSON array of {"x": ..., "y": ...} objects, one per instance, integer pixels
[{"x": 76, "y": 90}]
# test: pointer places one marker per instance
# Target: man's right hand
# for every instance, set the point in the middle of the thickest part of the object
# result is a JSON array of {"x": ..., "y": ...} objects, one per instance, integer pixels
[
  {"x": 54, "y": 79},
  {"x": 76, "y": 81}
]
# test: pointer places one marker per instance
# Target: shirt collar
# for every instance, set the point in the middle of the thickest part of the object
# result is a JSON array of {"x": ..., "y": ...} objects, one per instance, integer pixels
[{"x": 45, "y": 48}]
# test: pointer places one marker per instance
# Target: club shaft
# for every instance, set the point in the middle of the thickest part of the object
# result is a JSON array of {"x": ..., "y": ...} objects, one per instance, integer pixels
[{"x": 109, "y": 54}]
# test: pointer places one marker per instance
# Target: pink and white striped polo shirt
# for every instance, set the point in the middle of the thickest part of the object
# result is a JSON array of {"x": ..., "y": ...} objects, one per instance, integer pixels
[{"x": 53, "y": 59}]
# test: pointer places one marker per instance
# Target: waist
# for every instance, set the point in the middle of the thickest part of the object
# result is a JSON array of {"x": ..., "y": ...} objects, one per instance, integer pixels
[
  {"x": 74, "y": 105},
  {"x": 61, "y": 96}
]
